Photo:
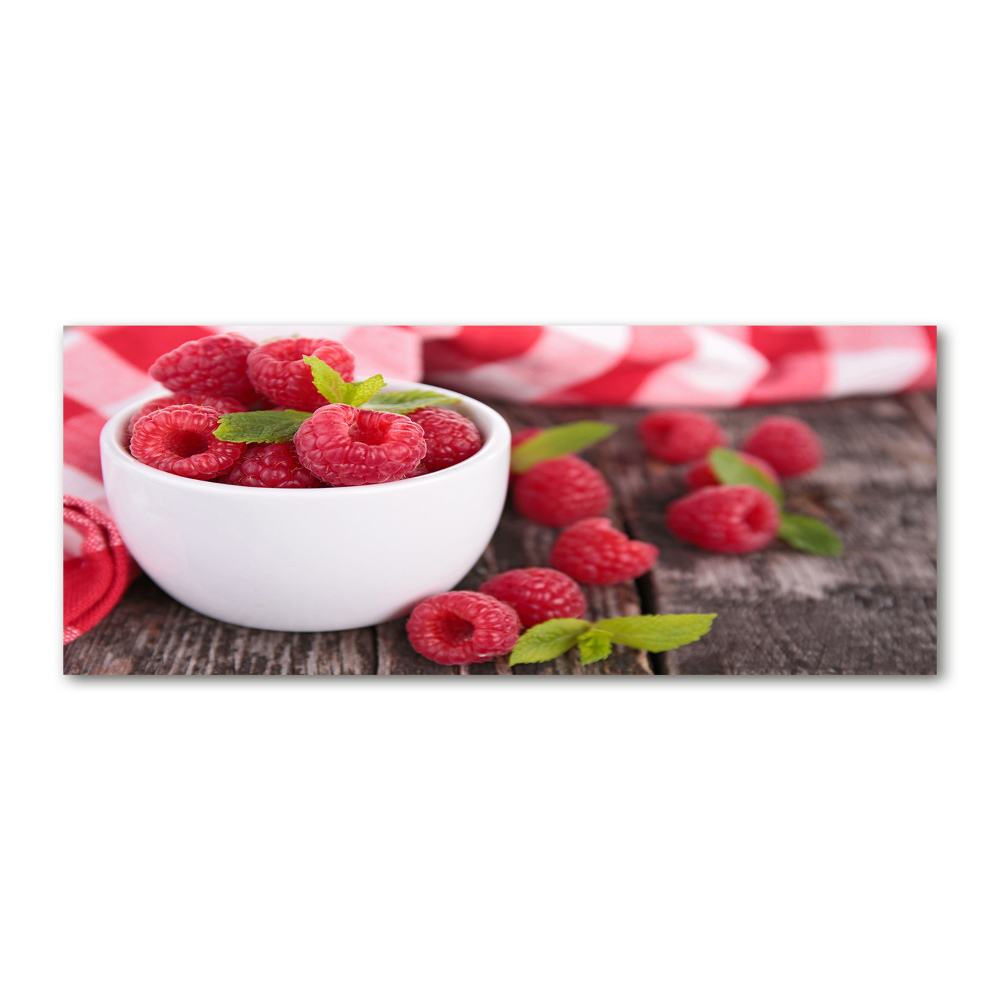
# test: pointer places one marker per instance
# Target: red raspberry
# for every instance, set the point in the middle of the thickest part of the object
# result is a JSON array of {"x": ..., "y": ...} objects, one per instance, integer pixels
[
  {"x": 537, "y": 594},
  {"x": 345, "y": 446},
  {"x": 450, "y": 437},
  {"x": 213, "y": 366},
  {"x": 593, "y": 552},
  {"x": 725, "y": 518},
  {"x": 224, "y": 404},
  {"x": 790, "y": 445},
  {"x": 277, "y": 370},
  {"x": 678, "y": 436},
  {"x": 559, "y": 491},
  {"x": 463, "y": 627},
  {"x": 179, "y": 439},
  {"x": 275, "y": 466},
  {"x": 702, "y": 475}
]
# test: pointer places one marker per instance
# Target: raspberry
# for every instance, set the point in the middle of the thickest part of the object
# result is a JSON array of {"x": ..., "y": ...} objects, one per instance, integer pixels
[
  {"x": 275, "y": 466},
  {"x": 678, "y": 436},
  {"x": 224, "y": 404},
  {"x": 702, "y": 475},
  {"x": 277, "y": 370},
  {"x": 345, "y": 446},
  {"x": 725, "y": 518},
  {"x": 790, "y": 445},
  {"x": 179, "y": 439},
  {"x": 463, "y": 627},
  {"x": 559, "y": 491},
  {"x": 537, "y": 594},
  {"x": 593, "y": 552},
  {"x": 212, "y": 366},
  {"x": 450, "y": 437}
]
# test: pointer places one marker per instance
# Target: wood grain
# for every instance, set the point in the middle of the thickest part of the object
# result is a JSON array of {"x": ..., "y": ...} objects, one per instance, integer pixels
[{"x": 872, "y": 611}]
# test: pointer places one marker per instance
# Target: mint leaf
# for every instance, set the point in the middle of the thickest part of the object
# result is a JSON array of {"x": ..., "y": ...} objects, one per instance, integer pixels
[
  {"x": 407, "y": 401},
  {"x": 656, "y": 633},
  {"x": 595, "y": 644},
  {"x": 732, "y": 470},
  {"x": 330, "y": 384},
  {"x": 260, "y": 426},
  {"x": 810, "y": 535},
  {"x": 553, "y": 442},
  {"x": 361, "y": 392},
  {"x": 548, "y": 640}
]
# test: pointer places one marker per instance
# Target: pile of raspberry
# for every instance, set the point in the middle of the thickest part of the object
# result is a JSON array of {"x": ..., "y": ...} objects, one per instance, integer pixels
[
  {"x": 468, "y": 626},
  {"x": 338, "y": 445},
  {"x": 462, "y": 627},
  {"x": 728, "y": 518}
]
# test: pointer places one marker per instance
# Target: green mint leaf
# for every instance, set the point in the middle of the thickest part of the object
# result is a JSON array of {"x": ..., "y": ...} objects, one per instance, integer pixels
[
  {"x": 732, "y": 470},
  {"x": 553, "y": 442},
  {"x": 595, "y": 644},
  {"x": 260, "y": 426},
  {"x": 810, "y": 535},
  {"x": 548, "y": 640},
  {"x": 329, "y": 384},
  {"x": 360, "y": 392},
  {"x": 407, "y": 401},
  {"x": 656, "y": 633}
]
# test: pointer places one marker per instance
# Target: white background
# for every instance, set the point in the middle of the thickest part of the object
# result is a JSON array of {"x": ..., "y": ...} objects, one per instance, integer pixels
[{"x": 524, "y": 162}]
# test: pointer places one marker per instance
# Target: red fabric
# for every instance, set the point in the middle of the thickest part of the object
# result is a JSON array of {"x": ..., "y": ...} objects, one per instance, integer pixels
[{"x": 94, "y": 581}]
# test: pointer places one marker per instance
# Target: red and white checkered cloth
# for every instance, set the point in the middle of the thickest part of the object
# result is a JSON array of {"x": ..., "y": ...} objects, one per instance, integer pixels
[
  {"x": 96, "y": 567},
  {"x": 654, "y": 366},
  {"x": 106, "y": 368}
]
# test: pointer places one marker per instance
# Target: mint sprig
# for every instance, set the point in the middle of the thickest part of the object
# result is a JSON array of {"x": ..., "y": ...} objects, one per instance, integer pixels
[
  {"x": 407, "y": 400},
  {"x": 548, "y": 640},
  {"x": 810, "y": 535},
  {"x": 804, "y": 533},
  {"x": 731, "y": 469},
  {"x": 554, "y": 442},
  {"x": 594, "y": 645},
  {"x": 271, "y": 426},
  {"x": 260, "y": 426},
  {"x": 330, "y": 384},
  {"x": 654, "y": 633},
  {"x": 370, "y": 394}
]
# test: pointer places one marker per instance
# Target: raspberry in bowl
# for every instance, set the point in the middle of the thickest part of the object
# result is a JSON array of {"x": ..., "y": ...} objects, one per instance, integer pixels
[{"x": 313, "y": 559}]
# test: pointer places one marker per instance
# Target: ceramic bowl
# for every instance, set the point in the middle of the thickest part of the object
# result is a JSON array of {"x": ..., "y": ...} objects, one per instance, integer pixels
[{"x": 309, "y": 560}]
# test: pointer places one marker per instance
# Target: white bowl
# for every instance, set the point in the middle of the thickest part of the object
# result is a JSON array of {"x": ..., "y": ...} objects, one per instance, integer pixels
[{"x": 309, "y": 560}]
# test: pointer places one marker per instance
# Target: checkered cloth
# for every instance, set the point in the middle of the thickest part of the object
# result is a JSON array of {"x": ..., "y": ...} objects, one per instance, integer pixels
[
  {"x": 96, "y": 567},
  {"x": 658, "y": 366},
  {"x": 106, "y": 368}
]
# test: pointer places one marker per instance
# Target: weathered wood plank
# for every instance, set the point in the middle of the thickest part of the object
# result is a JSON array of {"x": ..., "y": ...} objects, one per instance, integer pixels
[
  {"x": 150, "y": 633},
  {"x": 873, "y": 610}
]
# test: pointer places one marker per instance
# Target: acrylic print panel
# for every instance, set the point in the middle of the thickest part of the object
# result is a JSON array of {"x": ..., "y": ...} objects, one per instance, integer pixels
[{"x": 833, "y": 573}]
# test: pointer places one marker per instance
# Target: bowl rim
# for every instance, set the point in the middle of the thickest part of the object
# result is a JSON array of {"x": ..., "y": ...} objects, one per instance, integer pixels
[{"x": 496, "y": 436}]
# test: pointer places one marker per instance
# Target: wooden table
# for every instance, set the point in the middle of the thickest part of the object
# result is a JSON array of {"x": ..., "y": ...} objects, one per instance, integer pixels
[{"x": 871, "y": 611}]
